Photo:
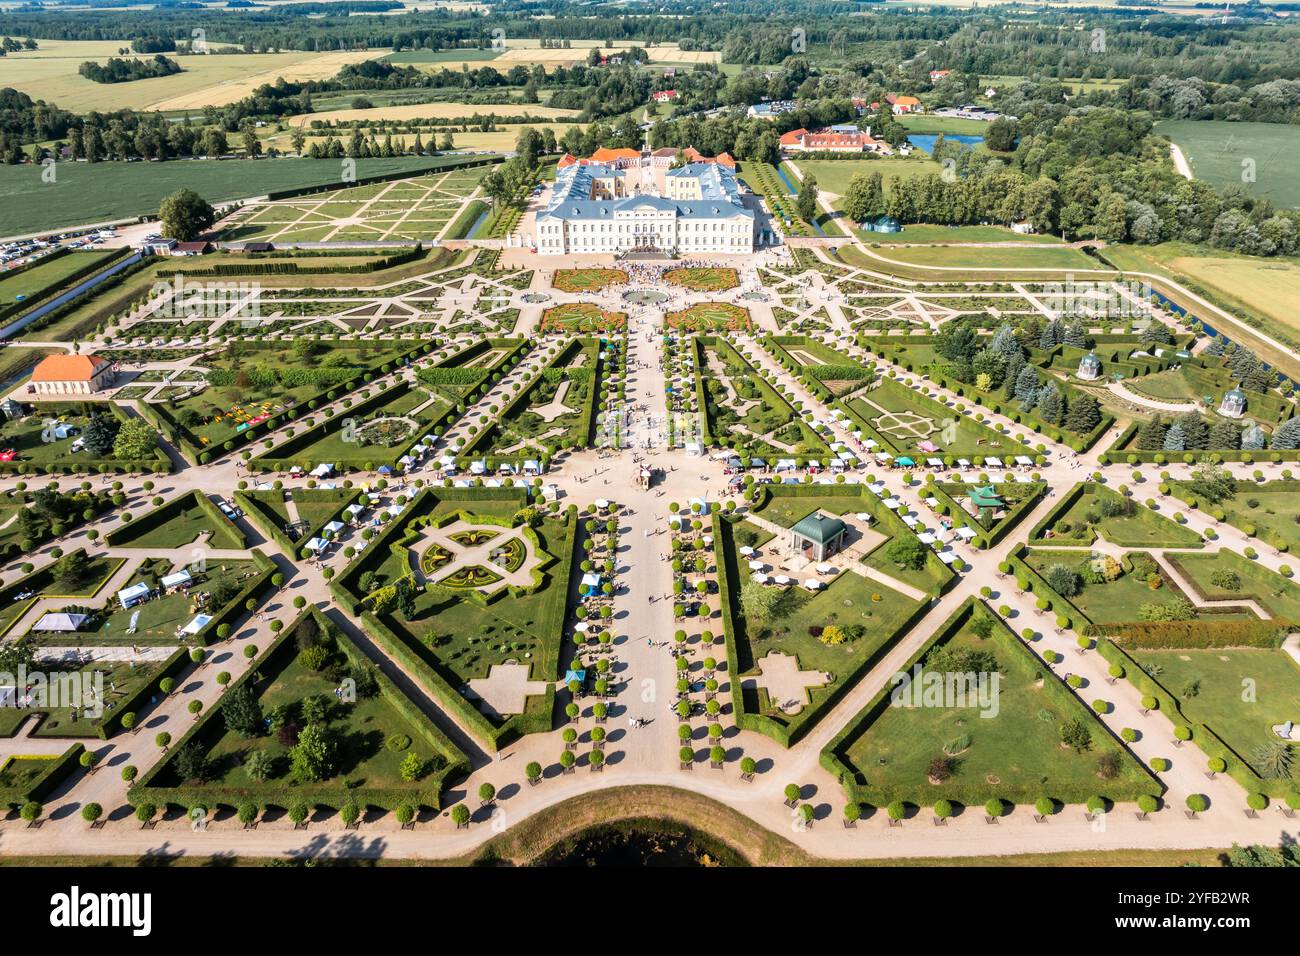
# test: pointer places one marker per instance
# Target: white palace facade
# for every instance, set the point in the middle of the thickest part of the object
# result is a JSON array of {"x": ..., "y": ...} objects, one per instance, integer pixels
[{"x": 626, "y": 200}]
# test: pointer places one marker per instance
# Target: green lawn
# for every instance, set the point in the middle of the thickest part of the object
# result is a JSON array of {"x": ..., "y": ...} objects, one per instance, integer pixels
[
  {"x": 789, "y": 510},
  {"x": 1278, "y": 596},
  {"x": 48, "y": 272},
  {"x": 221, "y": 412},
  {"x": 381, "y": 435},
  {"x": 1210, "y": 685},
  {"x": 850, "y": 600},
  {"x": 834, "y": 175},
  {"x": 21, "y": 772},
  {"x": 1113, "y": 602},
  {"x": 157, "y": 621},
  {"x": 461, "y": 638},
  {"x": 977, "y": 257},
  {"x": 179, "y": 530},
  {"x": 1143, "y": 528},
  {"x": 119, "y": 681},
  {"x": 1273, "y": 512},
  {"x": 365, "y": 758},
  {"x": 1016, "y": 754}
]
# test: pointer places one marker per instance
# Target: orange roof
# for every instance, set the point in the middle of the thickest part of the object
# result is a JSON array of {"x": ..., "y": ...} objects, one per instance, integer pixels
[
  {"x": 606, "y": 155},
  {"x": 905, "y": 101},
  {"x": 568, "y": 159},
  {"x": 815, "y": 141},
  {"x": 726, "y": 160},
  {"x": 68, "y": 368},
  {"x": 793, "y": 137}
]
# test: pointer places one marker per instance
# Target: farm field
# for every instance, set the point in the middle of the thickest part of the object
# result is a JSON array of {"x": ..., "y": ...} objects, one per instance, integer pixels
[
  {"x": 1263, "y": 293},
  {"x": 528, "y": 52},
  {"x": 1216, "y": 150},
  {"x": 410, "y": 111},
  {"x": 50, "y": 74},
  {"x": 1269, "y": 286},
  {"x": 101, "y": 192}
]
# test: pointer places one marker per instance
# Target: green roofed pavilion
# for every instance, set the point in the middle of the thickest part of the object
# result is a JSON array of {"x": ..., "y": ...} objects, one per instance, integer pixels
[
  {"x": 818, "y": 534},
  {"x": 985, "y": 496}
]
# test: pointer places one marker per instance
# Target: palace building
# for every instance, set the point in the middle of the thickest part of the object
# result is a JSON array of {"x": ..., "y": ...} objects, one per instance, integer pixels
[{"x": 624, "y": 200}]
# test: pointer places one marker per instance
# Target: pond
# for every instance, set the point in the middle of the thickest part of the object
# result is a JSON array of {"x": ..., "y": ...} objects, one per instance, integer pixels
[
  {"x": 641, "y": 843},
  {"x": 925, "y": 141}
]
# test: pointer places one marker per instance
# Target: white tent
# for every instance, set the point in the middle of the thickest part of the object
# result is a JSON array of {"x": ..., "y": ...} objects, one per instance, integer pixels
[
  {"x": 61, "y": 623},
  {"x": 353, "y": 511},
  {"x": 1024, "y": 460},
  {"x": 333, "y": 528},
  {"x": 316, "y": 544},
  {"x": 320, "y": 471},
  {"x": 133, "y": 595},
  {"x": 180, "y": 579}
]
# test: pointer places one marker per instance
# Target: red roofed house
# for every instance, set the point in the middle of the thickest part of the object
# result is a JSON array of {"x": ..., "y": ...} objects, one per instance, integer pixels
[
  {"x": 664, "y": 96},
  {"x": 939, "y": 74},
  {"x": 71, "y": 375},
  {"x": 615, "y": 157},
  {"x": 568, "y": 159},
  {"x": 793, "y": 140},
  {"x": 832, "y": 141},
  {"x": 903, "y": 104}
]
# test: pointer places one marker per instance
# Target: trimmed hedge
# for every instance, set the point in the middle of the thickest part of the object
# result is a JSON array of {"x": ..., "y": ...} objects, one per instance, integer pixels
[
  {"x": 833, "y": 757},
  {"x": 159, "y": 516},
  {"x": 276, "y": 793},
  {"x": 136, "y": 702},
  {"x": 59, "y": 770}
]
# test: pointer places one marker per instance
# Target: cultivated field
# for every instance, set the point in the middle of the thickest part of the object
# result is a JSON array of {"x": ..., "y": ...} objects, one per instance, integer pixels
[
  {"x": 417, "y": 111},
  {"x": 50, "y": 74},
  {"x": 101, "y": 192},
  {"x": 1217, "y": 151},
  {"x": 1270, "y": 286}
]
